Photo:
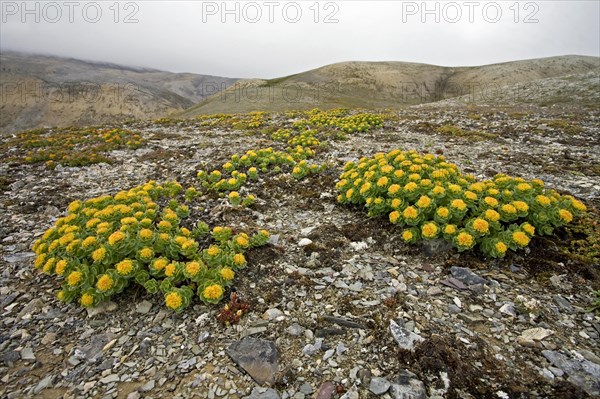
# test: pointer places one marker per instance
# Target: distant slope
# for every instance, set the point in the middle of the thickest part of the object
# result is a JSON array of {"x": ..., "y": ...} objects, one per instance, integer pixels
[
  {"x": 385, "y": 84},
  {"x": 41, "y": 91}
]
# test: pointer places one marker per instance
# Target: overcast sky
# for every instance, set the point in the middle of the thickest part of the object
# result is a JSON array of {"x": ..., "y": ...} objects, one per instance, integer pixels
[{"x": 277, "y": 38}]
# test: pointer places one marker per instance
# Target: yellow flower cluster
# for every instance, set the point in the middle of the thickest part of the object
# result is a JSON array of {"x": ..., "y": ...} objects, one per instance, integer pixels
[
  {"x": 71, "y": 146},
  {"x": 106, "y": 243},
  {"x": 431, "y": 197}
]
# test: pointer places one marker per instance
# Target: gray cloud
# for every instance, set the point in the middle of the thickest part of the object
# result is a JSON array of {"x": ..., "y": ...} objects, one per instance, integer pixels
[{"x": 200, "y": 37}]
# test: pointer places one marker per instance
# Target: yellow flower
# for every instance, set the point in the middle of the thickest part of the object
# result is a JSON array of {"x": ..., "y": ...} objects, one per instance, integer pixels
[
  {"x": 538, "y": 183},
  {"x": 578, "y": 205},
  {"x": 92, "y": 223},
  {"x": 363, "y": 189},
  {"x": 470, "y": 195},
  {"x": 105, "y": 283},
  {"x": 413, "y": 177},
  {"x": 478, "y": 187},
  {"x": 410, "y": 187},
  {"x": 491, "y": 201},
  {"x": 192, "y": 268},
  {"x": 99, "y": 254},
  {"x": 464, "y": 239},
  {"x": 455, "y": 188},
  {"x": 131, "y": 220},
  {"x": 145, "y": 234},
  {"x": 438, "y": 190},
  {"x": 424, "y": 201},
  {"x": 146, "y": 253},
  {"x": 429, "y": 230},
  {"x": 529, "y": 229},
  {"x": 410, "y": 213},
  {"x": 214, "y": 291},
  {"x": 88, "y": 242},
  {"x": 67, "y": 238},
  {"x": 170, "y": 215},
  {"x": 165, "y": 225},
  {"x": 521, "y": 206},
  {"x": 542, "y": 200},
  {"x": 124, "y": 267},
  {"x": 396, "y": 203},
  {"x": 501, "y": 247},
  {"x": 387, "y": 169},
  {"x": 173, "y": 300},
  {"x": 74, "y": 206},
  {"x": 239, "y": 260},
  {"x": 188, "y": 244},
  {"x": 443, "y": 212},
  {"x": 49, "y": 265},
  {"x": 520, "y": 238},
  {"x": 170, "y": 269},
  {"x": 565, "y": 215},
  {"x": 163, "y": 237},
  {"x": 115, "y": 237},
  {"x": 213, "y": 250},
  {"x": 523, "y": 187},
  {"x": 227, "y": 273},
  {"x": 491, "y": 215},
  {"x": 458, "y": 204},
  {"x": 508, "y": 208},
  {"x": 439, "y": 174},
  {"x": 450, "y": 229},
  {"x": 399, "y": 173},
  {"x": 74, "y": 278},
  {"x": 160, "y": 264},
  {"x": 264, "y": 233},
  {"x": 60, "y": 295},
  {"x": 394, "y": 189},
  {"x": 349, "y": 193},
  {"x": 40, "y": 260},
  {"x": 382, "y": 182},
  {"x": 394, "y": 216},
  {"x": 86, "y": 300},
  {"x": 481, "y": 226},
  {"x": 242, "y": 241},
  {"x": 234, "y": 195},
  {"x": 53, "y": 245},
  {"x": 61, "y": 266},
  {"x": 407, "y": 235}
]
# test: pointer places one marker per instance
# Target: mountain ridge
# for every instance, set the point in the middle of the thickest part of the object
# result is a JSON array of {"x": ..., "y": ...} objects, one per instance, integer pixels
[{"x": 384, "y": 84}]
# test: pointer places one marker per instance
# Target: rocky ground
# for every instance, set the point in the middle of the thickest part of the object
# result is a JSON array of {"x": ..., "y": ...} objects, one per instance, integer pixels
[{"x": 339, "y": 306}]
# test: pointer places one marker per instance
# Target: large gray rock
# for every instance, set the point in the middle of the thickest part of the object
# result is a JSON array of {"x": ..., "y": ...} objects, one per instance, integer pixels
[
  {"x": 407, "y": 386},
  {"x": 582, "y": 373},
  {"x": 379, "y": 385},
  {"x": 263, "y": 393},
  {"x": 405, "y": 339},
  {"x": 259, "y": 358},
  {"x": 466, "y": 276}
]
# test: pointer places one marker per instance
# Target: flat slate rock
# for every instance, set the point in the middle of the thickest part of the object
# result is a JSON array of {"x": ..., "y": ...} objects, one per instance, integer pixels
[
  {"x": 466, "y": 276},
  {"x": 263, "y": 393},
  {"x": 258, "y": 357},
  {"x": 406, "y": 385},
  {"x": 583, "y": 373}
]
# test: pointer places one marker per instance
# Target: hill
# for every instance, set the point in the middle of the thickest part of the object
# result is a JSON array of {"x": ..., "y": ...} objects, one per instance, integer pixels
[
  {"x": 42, "y": 91},
  {"x": 390, "y": 85}
]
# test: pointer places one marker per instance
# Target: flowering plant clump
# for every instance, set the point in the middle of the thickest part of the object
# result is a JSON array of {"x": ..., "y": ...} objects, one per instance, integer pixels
[
  {"x": 71, "y": 146},
  {"x": 230, "y": 178},
  {"x": 249, "y": 121},
  {"x": 138, "y": 236},
  {"x": 340, "y": 119},
  {"x": 431, "y": 198}
]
